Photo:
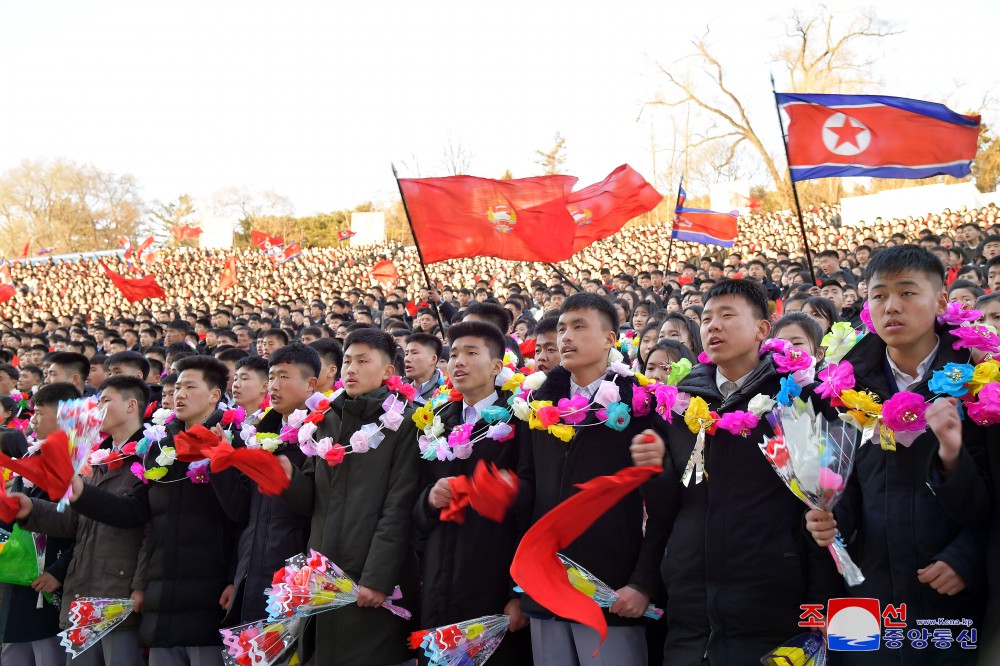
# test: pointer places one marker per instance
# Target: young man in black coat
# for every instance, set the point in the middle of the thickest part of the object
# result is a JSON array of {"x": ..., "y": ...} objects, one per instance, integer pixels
[
  {"x": 904, "y": 535},
  {"x": 465, "y": 568},
  {"x": 618, "y": 548},
  {"x": 192, "y": 544},
  {"x": 738, "y": 563}
]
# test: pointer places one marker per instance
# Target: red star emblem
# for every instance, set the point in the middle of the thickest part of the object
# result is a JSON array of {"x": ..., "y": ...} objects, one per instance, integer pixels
[{"x": 847, "y": 133}]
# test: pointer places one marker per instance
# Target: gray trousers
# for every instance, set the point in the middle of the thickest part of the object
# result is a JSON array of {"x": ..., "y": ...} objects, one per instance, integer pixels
[
  {"x": 572, "y": 644},
  {"x": 209, "y": 655},
  {"x": 119, "y": 648},
  {"x": 36, "y": 653}
]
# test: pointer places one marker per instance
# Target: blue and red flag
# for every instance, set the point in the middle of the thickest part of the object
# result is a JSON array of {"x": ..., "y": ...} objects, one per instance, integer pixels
[
  {"x": 707, "y": 227},
  {"x": 876, "y": 136}
]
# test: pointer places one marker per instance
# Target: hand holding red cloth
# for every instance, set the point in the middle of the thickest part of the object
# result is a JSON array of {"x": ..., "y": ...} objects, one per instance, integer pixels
[
  {"x": 9, "y": 506},
  {"x": 488, "y": 492},
  {"x": 50, "y": 470},
  {"x": 199, "y": 442}
]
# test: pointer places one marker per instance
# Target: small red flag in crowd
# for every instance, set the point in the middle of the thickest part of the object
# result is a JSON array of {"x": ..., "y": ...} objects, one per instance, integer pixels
[
  {"x": 523, "y": 219},
  {"x": 47, "y": 250},
  {"x": 263, "y": 241},
  {"x": 385, "y": 272},
  {"x": 602, "y": 209},
  {"x": 26, "y": 250},
  {"x": 289, "y": 252},
  {"x": 182, "y": 231},
  {"x": 135, "y": 289},
  {"x": 7, "y": 289},
  {"x": 227, "y": 278},
  {"x": 345, "y": 234}
]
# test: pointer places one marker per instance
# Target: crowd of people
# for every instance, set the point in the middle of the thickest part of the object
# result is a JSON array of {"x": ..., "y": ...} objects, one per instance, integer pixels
[{"x": 733, "y": 558}]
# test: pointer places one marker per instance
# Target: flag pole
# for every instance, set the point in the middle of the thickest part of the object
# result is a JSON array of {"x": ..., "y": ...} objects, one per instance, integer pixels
[
  {"x": 565, "y": 277},
  {"x": 420, "y": 254},
  {"x": 670, "y": 247},
  {"x": 795, "y": 192}
]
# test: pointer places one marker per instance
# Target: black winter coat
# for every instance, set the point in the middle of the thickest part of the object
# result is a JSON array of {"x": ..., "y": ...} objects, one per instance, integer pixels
[
  {"x": 739, "y": 562},
  {"x": 192, "y": 549},
  {"x": 273, "y": 532},
  {"x": 466, "y": 568},
  {"x": 895, "y": 524}
]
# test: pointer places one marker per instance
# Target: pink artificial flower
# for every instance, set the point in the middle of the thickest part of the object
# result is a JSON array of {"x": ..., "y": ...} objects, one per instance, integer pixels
[
  {"x": 642, "y": 401},
  {"x": 573, "y": 410},
  {"x": 198, "y": 472},
  {"x": 776, "y": 345},
  {"x": 836, "y": 378},
  {"x": 738, "y": 423},
  {"x": 905, "y": 412},
  {"x": 805, "y": 376},
  {"x": 666, "y": 398},
  {"x": 548, "y": 416},
  {"x": 317, "y": 561},
  {"x": 792, "y": 360},
  {"x": 607, "y": 393},
  {"x": 986, "y": 409},
  {"x": 704, "y": 359},
  {"x": 408, "y": 391},
  {"x": 830, "y": 482},
  {"x": 976, "y": 337},
  {"x": 957, "y": 314},
  {"x": 866, "y": 318},
  {"x": 140, "y": 472},
  {"x": 233, "y": 417},
  {"x": 394, "y": 383},
  {"x": 460, "y": 435}
]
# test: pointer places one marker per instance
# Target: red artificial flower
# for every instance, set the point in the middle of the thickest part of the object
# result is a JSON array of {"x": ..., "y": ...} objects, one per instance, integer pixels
[
  {"x": 315, "y": 418},
  {"x": 409, "y": 391},
  {"x": 322, "y": 406},
  {"x": 393, "y": 383},
  {"x": 335, "y": 455},
  {"x": 715, "y": 423},
  {"x": 455, "y": 396},
  {"x": 114, "y": 460},
  {"x": 549, "y": 416},
  {"x": 129, "y": 449}
]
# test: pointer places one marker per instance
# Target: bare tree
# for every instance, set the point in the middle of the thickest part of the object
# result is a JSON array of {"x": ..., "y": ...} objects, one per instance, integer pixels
[
  {"x": 456, "y": 157},
  {"x": 170, "y": 214},
  {"x": 552, "y": 161}
]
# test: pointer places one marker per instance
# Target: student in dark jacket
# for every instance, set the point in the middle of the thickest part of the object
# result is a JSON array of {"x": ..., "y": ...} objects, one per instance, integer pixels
[
  {"x": 615, "y": 548},
  {"x": 737, "y": 540},
  {"x": 465, "y": 568},
  {"x": 29, "y": 622},
  {"x": 192, "y": 544},
  {"x": 108, "y": 562},
  {"x": 361, "y": 512},
  {"x": 909, "y": 548},
  {"x": 273, "y": 532}
]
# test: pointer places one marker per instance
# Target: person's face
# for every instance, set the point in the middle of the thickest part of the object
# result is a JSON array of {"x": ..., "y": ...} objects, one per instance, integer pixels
[
  {"x": 798, "y": 337},
  {"x": 673, "y": 306},
  {"x": 57, "y": 373},
  {"x": 420, "y": 362},
  {"x": 971, "y": 276},
  {"x": 963, "y": 296},
  {"x": 309, "y": 338},
  {"x": 730, "y": 330},
  {"x": 991, "y": 315},
  {"x": 557, "y": 301},
  {"x": 994, "y": 278},
  {"x": 173, "y": 336},
  {"x": 315, "y": 312},
  {"x": 289, "y": 386},
  {"x": 714, "y": 272},
  {"x": 145, "y": 339},
  {"x": 119, "y": 409},
  {"x": 120, "y": 369},
  {"x": 342, "y": 332},
  {"x": 546, "y": 351},
  {"x": 904, "y": 306},
  {"x": 673, "y": 330},
  {"x": 248, "y": 388},
  {"x": 470, "y": 367},
  {"x": 243, "y": 339},
  {"x": 297, "y": 318},
  {"x": 850, "y": 297},
  {"x": 639, "y": 318},
  {"x": 692, "y": 298},
  {"x": 521, "y": 330},
  {"x": 835, "y": 294},
  {"x": 818, "y": 317},
  {"x": 426, "y": 322},
  {"x": 7, "y": 384},
  {"x": 464, "y": 299},
  {"x": 658, "y": 366},
  {"x": 192, "y": 396},
  {"x": 584, "y": 340},
  {"x": 168, "y": 396},
  {"x": 44, "y": 421},
  {"x": 365, "y": 369},
  {"x": 271, "y": 344},
  {"x": 27, "y": 381},
  {"x": 756, "y": 272}
]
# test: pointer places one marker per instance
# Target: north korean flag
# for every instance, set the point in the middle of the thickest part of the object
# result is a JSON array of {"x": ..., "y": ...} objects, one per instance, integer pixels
[
  {"x": 708, "y": 227},
  {"x": 876, "y": 136}
]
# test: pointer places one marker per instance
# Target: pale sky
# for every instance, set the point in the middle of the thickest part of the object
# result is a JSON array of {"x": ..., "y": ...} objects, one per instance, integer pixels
[{"x": 314, "y": 99}]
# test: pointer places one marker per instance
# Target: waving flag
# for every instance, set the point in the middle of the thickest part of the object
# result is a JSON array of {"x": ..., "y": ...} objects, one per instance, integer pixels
[
  {"x": 345, "y": 234},
  {"x": 876, "y": 136},
  {"x": 384, "y": 272},
  {"x": 523, "y": 219},
  {"x": 7, "y": 289},
  {"x": 263, "y": 241},
  {"x": 182, "y": 231},
  {"x": 707, "y": 227},
  {"x": 602, "y": 209},
  {"x": 135, "y": 289},
  {"x": 227, "y": 278},
  {"x": 287, "y": 253},
  {"x": 27, "y": 250},
  {"x": 47, "y": 250}
]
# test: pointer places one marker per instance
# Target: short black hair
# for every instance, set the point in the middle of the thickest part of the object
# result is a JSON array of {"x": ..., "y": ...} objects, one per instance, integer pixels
[
  {"x": 130, "y": 387},
  {"x": 276, "y": 333},
  {"x": 179, "y": 325},
  {"x": 490, "y": 334},
  {"x": 329, "y": 349},
  {"x": 892, "y": 261},
  {"x": 494, "y": 313},
  {"x": 809, "y": 326},
  {"x": 169, "y": 379},
  {"x": 53, "y": 394},
  {"x": 77, "y": 363},
  {"x": 824, "y": 307},
  {"x": 232, "y": 354},
  {"x": 376, "y": 339},
  {"x": 546, "y": 325},
  {"x": 297, "y": 354},
  {"x": 431, "y": 342},
  {"x": 312, "y": 330},
  {"x": 255, "y": 363},
  {"x": 130, "y": 359},
  {"x": 749, "y": 290},
  {"x": 10, "y": 371},
  {"x": 213, "y": 371},
  {"x": 976, "y": 290},
  {"x": 585, "y": 301},
  {"x": 675, "y": 348}
]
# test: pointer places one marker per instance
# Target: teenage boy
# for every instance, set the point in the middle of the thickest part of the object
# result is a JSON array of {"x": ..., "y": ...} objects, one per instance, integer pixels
[
  {"x": 107, "y": 561},
  {"x": 546, "y": 344},
  {"x": 250, "y": 384},
  {"x": 421, "y": 358},
  {"x": 192, "y": 542},
  {"x": 361, "y": 512},
  {"x": 615, "y": 548},
  {"x": 28, "y": 628},
  {"x": 895, "y": 511},
  {"x": 737, "y": 540},
  {"x": 465, "y": 567},
  {"x": 331, "y": 356}
]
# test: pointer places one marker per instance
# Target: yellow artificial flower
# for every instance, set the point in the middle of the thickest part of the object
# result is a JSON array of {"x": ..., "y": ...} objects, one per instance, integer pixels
[
  {"x": 641, "y": 378},
  {"x": 538, "y": 404},
  {"x": 580, "y": 581},
  {"x": 861, "y": 401},
  {"x": 697, "y": 415},
  {"x": 423, "y": 417},
  {"x": 513, "y": 382},
  {"x": 474, "y": 631},
  {"x": 562, "y": 431},
  {"x": 985, "y": 373},
  {"x": 155, "y": 473},
  {"x": 509, "y": 358}
]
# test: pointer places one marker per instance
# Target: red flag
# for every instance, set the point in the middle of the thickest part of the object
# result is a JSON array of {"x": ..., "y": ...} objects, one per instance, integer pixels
[
  {"x": 50, "y": 470},
  {"x": 263, "y": 241},
  {"x": 135, "y": 289},
  {"x": 536, "y": 567},
  {"x": 227, "y": 278},
  {"x": 290, "y": 251},
  {"x": 47, "y": 250},
  {"x": 464, "y": 216},
  {"x": 345, "y": 234},
  {"x": 749, "y": 202},
  {"x": 384, "y": 271},
  {"x": 602, "y": 209},
  {"x": 26, "y": 250},
  {"x": 7, "y": 289},
  {"x": 182, "y": 231}
]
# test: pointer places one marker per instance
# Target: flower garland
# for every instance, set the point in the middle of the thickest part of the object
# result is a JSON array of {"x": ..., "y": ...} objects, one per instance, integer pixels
[{"x": 459, "y": 442}]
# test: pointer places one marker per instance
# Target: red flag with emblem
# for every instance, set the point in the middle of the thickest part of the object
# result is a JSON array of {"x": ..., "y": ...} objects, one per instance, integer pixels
[
  {"x": 135, "y": 289},
  {"x": 384, "y": 272},
  {"x": 602, "y": 209},
  {"x": 227, "y": 278},
  {"x": 263, "y": 241},
  {"x": 463, "y": 216},
  {"x": 345, "y": 234},
  {"x": 183, "y": 231}
]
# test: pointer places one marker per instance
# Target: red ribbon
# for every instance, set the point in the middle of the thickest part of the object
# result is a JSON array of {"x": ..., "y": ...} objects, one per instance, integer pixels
[
  {"x": 488, "y": 492},
  {"x": 262, "y": 466},
  {"x": 50, "y": 470}
]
